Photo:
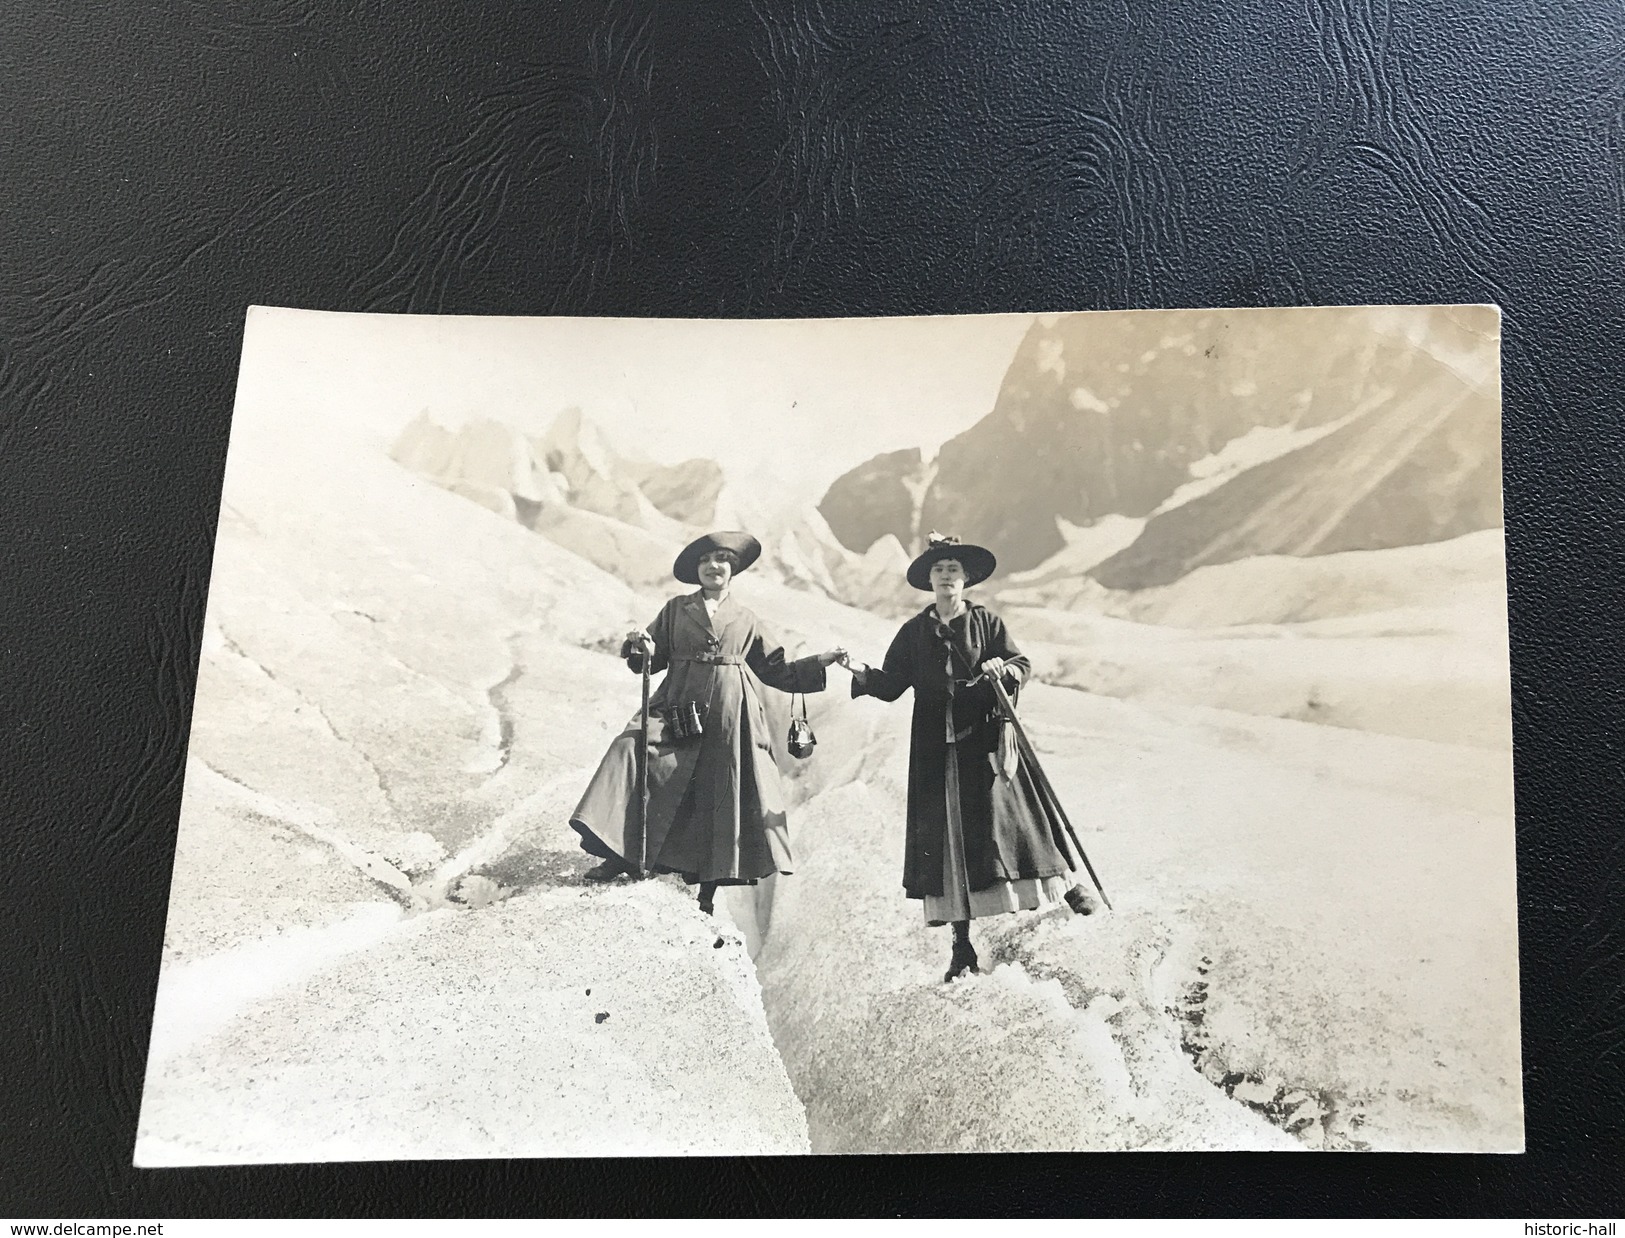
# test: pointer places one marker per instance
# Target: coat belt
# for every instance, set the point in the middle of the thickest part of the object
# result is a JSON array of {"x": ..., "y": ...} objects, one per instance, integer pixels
[{"x": 715, "y": 659}]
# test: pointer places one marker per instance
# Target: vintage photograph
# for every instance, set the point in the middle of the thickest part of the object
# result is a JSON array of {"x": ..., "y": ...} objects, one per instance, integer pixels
[{"x": 1082, "y": 731}]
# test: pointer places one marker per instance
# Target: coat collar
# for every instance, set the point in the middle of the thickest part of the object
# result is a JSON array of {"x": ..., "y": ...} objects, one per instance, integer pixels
[
  {"x": 928, "y": 616},
  {"x": 960, "y": 638},
  {"x": 694, "y": 604}
]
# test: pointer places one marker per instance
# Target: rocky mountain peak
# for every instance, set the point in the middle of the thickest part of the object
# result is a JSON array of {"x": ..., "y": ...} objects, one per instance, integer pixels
[
  {"x": 1110, "y": 415},
  {"x": 882, "y": 497}
]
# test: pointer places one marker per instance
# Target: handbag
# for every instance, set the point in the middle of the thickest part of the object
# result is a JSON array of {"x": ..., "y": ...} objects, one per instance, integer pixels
[{"x": 802, "y": 738}]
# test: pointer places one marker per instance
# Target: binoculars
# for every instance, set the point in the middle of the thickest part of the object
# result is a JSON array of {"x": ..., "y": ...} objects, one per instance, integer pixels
[{"x": 682, "y": 722}]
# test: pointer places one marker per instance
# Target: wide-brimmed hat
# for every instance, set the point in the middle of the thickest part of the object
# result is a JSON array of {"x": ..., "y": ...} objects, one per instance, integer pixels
[
  {"x": 745, "y": 548},
  {"x": 978, "y": 561}
]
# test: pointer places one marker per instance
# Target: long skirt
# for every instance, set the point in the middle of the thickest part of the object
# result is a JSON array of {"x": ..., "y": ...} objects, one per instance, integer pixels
[
  {"x": 1002, "y": 897},
  {"x": 716, "y": 808}
]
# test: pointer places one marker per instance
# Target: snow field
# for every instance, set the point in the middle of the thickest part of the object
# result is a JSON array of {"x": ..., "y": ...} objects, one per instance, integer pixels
[{"x": 1314, "y": 933}]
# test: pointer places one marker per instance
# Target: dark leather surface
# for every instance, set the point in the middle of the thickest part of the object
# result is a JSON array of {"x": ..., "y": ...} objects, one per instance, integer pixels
[{"x": 164, "y": 166}]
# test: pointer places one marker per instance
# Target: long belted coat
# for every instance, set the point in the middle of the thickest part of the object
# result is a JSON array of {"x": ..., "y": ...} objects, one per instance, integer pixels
[
  {"x": 716, "y": 805},
  {"x": 1009, "y": 830}
]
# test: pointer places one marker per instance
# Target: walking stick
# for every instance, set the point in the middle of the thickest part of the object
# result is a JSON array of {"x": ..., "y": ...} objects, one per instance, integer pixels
[
  {"x": 1024, "y": 745},
  {"x": 643, "y": 764}
]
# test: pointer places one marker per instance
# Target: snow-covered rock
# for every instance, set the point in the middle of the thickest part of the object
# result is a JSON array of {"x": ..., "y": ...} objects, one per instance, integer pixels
[
  {"x": 1061, "y": 579},
  {"x": 630, "y": 515},
  {"x": 879, "y": 498},
  {"x": 1422, "y": 466},
  {"x": 1257, "y": 446},
  {"x": 1233, "y": 434},
  {"x": 809, "y": 555}
]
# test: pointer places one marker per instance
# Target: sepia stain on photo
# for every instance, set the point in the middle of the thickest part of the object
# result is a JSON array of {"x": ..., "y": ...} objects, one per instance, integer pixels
[{"x": 1018, "y": 732}]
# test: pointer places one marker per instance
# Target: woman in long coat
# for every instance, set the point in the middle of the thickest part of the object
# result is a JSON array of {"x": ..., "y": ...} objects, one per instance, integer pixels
[
  {"x": 716, "y": 806},
  {"x": 981, "y": 840}
]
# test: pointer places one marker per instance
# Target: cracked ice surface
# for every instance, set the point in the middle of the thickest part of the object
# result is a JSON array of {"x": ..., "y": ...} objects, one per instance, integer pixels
[
  {"x": 477, "y": 1034},
  {"x": 1344, "y": 901},
  {"x": 378, "y": 944}
]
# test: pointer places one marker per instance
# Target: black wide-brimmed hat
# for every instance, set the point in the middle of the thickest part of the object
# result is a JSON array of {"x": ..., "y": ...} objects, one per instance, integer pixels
[
  {"x": 745, "y": 547},
  {"x": 978, "y": 561}
]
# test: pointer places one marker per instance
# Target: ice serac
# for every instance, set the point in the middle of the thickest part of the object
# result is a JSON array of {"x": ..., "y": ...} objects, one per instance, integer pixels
[
  {"x": 1105, "y": 415},
  {"x": 686, "y": 491},
  {"x": 808, "y": 555},
  {"x": 484, "y": 460},
  {"x": 877, "y": 579},
  {"x": 629, "y": 516},
  {"x": 598, "y": 478}
]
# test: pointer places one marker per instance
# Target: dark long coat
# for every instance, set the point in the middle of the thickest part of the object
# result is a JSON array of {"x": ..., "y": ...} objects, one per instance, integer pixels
[
  {"x": 1009, "y": 830},
  {"x": 716, "y": 805}
]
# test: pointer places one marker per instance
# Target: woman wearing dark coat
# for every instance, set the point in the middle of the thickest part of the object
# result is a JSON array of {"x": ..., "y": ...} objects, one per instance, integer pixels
[
  {"x": 981, "y": 840},
  {"x": 716, "y": 806}
]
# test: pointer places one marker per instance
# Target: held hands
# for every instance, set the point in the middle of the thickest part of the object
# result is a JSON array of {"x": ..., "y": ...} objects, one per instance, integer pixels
[
  {"x": 858, "y": 669},
  {"x": 833, "y": 655}
]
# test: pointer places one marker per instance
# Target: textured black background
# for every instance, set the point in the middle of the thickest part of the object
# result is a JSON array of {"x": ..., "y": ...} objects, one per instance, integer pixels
[{"x": 166, "y": 164}]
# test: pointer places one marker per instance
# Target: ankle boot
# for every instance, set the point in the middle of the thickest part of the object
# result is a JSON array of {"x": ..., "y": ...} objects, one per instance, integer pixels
[
  {"x": 963, "y": 958},
  {"x": 961, "y": 961},
  {"x": 608, "y": 870},
  {"x": 1081, "y": 901}
]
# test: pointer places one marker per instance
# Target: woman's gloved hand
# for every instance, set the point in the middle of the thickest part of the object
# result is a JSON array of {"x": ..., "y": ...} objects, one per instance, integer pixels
[{"x": 637, "y": 644}]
